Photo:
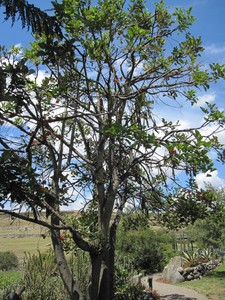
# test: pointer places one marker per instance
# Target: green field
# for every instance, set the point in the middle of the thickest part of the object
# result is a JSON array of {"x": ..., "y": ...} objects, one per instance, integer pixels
[{"x": 20, "y": 236}]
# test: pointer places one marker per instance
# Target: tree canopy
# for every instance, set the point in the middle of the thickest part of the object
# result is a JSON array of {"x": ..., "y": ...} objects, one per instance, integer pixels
[{"x": 82, "y": 118}]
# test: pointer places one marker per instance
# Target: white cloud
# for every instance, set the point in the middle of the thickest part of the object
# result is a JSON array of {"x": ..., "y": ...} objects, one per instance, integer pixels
[
  {"x": 202, "y": 180},
  {"x": 39, "y": 77},
  {"x": 76, "y": 205},
  {"x": 205, "y": 98},
  {"x": 214, "y": 49},
  {"x": 214, "y": 129}
]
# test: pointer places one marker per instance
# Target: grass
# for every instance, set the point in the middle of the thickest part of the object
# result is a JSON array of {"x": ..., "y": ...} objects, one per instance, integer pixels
[
  {"x": 8, "y": 278},
  {"x": 212, "y": 285},
  {"x": 19, "y": 236},
  {"x": 27, "y": 244}
]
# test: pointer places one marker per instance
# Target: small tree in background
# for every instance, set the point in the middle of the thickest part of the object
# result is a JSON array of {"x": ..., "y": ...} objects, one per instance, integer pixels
[
  {"x": 210, "y": 231},
  {"x": 91, "y": 129}
]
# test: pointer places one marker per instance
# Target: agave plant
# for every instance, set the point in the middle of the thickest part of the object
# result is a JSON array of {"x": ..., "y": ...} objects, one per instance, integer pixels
[
  {"x": 206, "y": 255},
  {"x": 190, "y": 257}
]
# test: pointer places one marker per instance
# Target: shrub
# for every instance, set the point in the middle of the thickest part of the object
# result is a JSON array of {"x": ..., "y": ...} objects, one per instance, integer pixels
[
  {"x": 146, "y": 250},
  {"x": 41, "y": 279},
  {"x": 8, "y": 261},
  {"x": 9, "y": 278},
  {"x": 79, "y": 263},
  {"x": 190, "y": 257},
  {"x": 124, "y": 289}
]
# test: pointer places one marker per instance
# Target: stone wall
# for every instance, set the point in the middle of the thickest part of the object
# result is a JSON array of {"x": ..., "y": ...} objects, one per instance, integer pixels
[
  {"x": 198, "y": 271},
  {"x": 175, "y": 272}
]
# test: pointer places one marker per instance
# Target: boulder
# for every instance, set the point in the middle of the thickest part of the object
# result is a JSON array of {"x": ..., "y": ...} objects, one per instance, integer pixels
[{"x": 173, "y": 270}]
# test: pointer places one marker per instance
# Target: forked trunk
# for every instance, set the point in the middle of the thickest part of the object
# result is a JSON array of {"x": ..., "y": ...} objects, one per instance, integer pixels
[
  {"x": 101, "y": 286},
  {"x": 102, "y": 276}
]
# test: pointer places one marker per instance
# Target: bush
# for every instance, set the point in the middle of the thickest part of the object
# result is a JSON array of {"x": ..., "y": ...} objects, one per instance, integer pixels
[
  {"x": 42, "y": 279},
  {"x": 80, "y": 263},
  {"x": 8, "y": 261},
  {"x": 9, "y": 278},
  {"x": 145, "y": 250},
  {"x": 125, "y": 290},
  {"x": 140, "y": 251}
]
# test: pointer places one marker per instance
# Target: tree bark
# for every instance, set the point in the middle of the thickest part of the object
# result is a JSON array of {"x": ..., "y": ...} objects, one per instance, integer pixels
[
  {"x": 65, "y": 273},
  {"x": 95, "y": 277},
  {"x": 107, "y": 283},
  {"x": 101, "y": 286}
]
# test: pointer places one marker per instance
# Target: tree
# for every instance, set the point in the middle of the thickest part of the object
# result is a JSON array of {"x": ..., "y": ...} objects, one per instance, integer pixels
[
  {"x": 31, "y": 16},
  {"x": 209, "y": 232},
  {"x": 90, "y": 129}
]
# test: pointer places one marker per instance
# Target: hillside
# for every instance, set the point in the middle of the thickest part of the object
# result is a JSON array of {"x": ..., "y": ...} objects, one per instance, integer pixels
[{"x": 20, "y": 236}]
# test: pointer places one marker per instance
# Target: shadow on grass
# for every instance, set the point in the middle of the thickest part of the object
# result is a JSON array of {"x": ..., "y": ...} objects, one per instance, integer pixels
[
  {"x": 216, "y": 274},
  {"x": 176, "y": 297}
]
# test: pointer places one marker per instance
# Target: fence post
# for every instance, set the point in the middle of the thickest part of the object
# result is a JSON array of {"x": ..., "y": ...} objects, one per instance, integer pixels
[{"x": 150, "y": 282}]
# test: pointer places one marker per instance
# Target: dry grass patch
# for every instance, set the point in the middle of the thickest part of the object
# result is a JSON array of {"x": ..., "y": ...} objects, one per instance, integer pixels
[{"x": 19, "y": 236}]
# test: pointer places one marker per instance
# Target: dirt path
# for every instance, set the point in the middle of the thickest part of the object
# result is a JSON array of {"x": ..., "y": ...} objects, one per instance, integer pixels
[{"x": 172, "y": 292}]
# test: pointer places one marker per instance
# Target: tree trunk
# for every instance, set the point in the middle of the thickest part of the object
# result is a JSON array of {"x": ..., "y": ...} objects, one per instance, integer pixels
[
  {"x": 65, "y": 273},
  {"x": 102, "y": 275},
  {"x": 101, "y": 286},
  {"x": 107, "y": 282},
  {"x": 95, "y": 277}
]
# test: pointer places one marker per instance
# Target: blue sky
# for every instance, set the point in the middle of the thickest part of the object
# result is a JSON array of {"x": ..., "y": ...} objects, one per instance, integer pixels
[{"x": 209, "y": 25}]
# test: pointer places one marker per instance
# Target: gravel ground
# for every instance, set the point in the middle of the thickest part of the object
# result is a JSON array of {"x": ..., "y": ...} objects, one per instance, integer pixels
[{"x": 171, "y": 292}]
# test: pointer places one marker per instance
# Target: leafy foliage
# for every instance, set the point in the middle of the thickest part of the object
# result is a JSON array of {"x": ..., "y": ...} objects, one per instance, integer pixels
[
  {"x": 209, "y": 232},
  {"x": 187, "y": 206},
  {"x": 195, "y": 257},
  {"x": 125, "y": 290},
  {"x": 8, "y": 261},
  {"x": 31, "y": 16},
  {"x": 190, "y": 257},
  {"x": 41, "y": 278},
  {"x": 79, "y": 263},
  {"x": 146, "y": 250},
  {"x": 9, "y": 281}
]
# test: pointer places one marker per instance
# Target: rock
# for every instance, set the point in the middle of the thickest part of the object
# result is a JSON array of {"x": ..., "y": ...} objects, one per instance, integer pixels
[
  {"x": 190, "y": 277},
  {"x": 171, "y": 272},
  {"x": 180, "y": 270},
  {"x": 136, "y": 279},
  {"x": 198, "y": 271},
  {"x": 13, "y": 296}
]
